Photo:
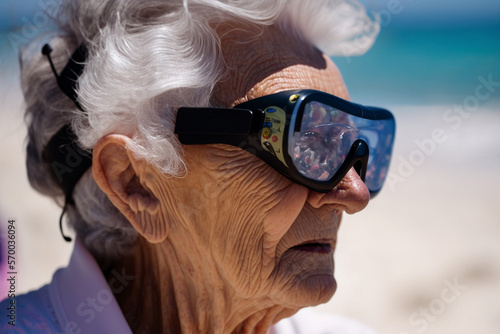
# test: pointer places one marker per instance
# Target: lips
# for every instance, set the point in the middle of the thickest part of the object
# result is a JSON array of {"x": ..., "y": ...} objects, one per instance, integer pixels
[{"x": 315, "y": 246}]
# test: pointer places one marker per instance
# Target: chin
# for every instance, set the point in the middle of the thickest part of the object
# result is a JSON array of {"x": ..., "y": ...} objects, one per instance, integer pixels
[
  {"x": 309, "y": 279},
  {"x": 315, "y": 290}
]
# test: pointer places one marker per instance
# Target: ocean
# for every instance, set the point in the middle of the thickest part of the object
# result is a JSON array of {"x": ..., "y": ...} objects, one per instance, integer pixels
[{"x": 421, "y": 66}]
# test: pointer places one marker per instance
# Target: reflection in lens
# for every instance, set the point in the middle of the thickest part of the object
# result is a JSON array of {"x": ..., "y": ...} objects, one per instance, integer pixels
[
  {"x": 320, "y": 151},
  {"x": 324, "y": 140},
  {"x": 326, "y": 137}
]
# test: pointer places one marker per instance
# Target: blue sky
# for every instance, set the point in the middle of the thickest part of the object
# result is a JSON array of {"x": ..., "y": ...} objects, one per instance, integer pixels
[{"x": 15, "y": 13}]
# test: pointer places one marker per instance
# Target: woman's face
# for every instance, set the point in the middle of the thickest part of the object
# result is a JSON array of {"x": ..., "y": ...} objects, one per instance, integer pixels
[{"x": 265, "y": 235}]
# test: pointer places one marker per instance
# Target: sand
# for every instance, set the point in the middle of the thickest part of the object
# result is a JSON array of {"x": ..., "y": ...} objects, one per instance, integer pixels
[{"x": 423, "y": 257}]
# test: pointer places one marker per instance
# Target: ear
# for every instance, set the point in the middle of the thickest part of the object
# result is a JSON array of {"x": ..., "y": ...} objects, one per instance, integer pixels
[{"x": 127, "y": 182}]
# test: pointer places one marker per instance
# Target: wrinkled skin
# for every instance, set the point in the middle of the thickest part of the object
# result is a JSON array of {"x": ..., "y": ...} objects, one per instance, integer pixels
[{"x": 216, "y": 253}]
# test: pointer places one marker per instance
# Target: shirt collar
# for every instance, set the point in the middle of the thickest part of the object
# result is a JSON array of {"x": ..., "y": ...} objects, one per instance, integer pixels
[{"x": 83, "y": 300}]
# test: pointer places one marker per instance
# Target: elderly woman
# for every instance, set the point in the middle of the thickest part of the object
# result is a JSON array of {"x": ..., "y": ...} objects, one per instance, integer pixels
[{"x": 204, "y": 152}]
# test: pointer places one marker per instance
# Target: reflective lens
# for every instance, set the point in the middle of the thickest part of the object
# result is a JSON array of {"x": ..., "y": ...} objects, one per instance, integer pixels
[{"x": 326, "y": 136}]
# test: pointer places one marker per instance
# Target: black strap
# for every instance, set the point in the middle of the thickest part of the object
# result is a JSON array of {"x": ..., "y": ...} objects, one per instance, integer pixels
[
  {"x": 67, "y": 159},
  {"x": 68, "y": 78}
]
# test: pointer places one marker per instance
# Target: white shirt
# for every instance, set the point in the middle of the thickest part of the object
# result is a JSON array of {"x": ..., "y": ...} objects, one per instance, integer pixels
[{"x": 80, "y": 301}]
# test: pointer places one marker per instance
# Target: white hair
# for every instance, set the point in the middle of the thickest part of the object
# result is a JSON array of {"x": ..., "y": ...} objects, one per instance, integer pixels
[{"x": 145, "y": 59}]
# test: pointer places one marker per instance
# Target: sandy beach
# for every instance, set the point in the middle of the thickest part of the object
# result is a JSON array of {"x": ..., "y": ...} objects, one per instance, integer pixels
[{"x": 424, "y": 257}]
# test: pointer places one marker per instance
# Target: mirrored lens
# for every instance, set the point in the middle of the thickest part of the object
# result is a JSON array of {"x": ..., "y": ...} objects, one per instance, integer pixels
[{"x": 326, "y": 136}]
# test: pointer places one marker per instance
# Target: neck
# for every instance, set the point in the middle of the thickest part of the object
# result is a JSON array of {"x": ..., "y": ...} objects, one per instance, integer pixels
[{"x": 171, "y": 294}]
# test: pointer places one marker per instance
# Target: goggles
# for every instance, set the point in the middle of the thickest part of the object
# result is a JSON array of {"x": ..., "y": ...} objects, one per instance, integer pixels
[{"x": 311, "y": 137}]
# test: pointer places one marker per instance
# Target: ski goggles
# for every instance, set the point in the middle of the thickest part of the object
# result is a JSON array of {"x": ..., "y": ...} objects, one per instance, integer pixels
[{"x": 311, "y": 137}]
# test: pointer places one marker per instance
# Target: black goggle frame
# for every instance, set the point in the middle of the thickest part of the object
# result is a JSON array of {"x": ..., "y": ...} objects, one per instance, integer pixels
[{"x": 243, "y": 126}]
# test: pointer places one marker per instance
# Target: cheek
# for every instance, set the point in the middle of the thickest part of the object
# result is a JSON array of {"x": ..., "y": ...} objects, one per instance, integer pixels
[
  {"x": 282, "y": 216},
  {"x": 257, "y": 207}
]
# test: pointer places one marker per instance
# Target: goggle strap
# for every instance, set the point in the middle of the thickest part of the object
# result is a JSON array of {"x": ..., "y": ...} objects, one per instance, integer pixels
[
  {"x": 216, "y": 121},
  {"x": 67, "y": 80},
  {"x": 68, "y": 161}
]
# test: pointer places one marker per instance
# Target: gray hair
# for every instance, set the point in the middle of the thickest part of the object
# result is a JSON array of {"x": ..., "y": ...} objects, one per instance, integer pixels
[{"x": 145, "y": 59}]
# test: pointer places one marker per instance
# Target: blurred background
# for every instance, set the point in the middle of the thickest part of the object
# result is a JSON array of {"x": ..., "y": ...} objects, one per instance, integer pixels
[{"x": 424, "y": 257}]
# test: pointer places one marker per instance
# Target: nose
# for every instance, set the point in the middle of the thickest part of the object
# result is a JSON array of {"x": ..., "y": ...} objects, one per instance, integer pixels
[{"x": 351, "y": 194}]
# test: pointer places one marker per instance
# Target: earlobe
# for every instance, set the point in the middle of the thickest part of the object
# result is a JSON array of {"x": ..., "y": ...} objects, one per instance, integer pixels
[{"x": 126, "y": 181}]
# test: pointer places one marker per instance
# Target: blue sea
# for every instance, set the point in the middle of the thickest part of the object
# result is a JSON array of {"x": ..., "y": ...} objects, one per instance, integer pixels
[
  {"x": 406, "y": 65},
  {"x": 438, "y": 65}
]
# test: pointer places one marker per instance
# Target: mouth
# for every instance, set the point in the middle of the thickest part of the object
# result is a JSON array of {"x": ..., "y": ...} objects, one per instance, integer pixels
[{"x": 315, "y": 246}]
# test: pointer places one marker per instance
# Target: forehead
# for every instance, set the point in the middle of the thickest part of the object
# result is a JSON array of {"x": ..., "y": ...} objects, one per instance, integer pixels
[{"x": 271, "y": 61}]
